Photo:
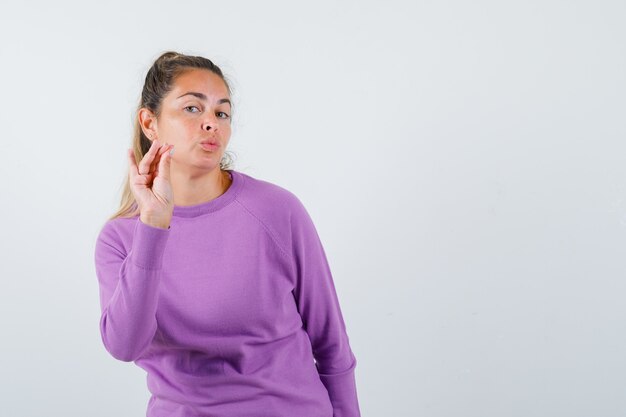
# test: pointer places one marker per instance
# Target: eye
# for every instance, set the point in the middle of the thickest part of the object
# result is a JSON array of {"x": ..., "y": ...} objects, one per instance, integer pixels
[
  {"x": 189, "y": 107},
  {"x": 226, "y": 116}
]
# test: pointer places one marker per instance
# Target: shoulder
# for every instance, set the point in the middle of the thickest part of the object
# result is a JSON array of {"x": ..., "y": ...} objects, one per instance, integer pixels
[
  {"x": 278, "y": 209},
  {"x": 268, "y": 198}
]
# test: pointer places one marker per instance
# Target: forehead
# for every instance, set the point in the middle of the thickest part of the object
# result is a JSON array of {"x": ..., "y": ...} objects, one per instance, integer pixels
[{"x": 199, "y": 80}]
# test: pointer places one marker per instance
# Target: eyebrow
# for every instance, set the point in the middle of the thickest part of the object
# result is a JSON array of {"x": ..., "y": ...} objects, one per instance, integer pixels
[{"x": 203, "y": 97}]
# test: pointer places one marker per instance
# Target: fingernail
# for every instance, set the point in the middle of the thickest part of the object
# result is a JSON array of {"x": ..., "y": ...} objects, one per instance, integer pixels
[{"x": 172, "y": 151}]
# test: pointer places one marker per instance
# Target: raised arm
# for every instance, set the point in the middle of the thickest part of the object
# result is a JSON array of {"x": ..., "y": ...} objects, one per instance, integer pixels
[{"x": 129, "y": 282}]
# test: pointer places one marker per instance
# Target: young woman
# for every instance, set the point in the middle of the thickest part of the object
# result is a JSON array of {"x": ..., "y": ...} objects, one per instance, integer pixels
[{"x": 215, "y": 282}]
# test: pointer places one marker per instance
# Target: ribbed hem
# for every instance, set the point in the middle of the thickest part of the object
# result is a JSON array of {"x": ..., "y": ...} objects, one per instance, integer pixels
[{"x": 148, "y": 245}]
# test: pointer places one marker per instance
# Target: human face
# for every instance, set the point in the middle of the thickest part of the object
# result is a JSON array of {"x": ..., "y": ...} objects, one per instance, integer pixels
[{"x": 196, "y": 109}]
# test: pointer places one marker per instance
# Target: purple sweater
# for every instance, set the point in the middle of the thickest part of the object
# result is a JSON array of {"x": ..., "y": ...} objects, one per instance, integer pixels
[{"x": 231, "y": 311}]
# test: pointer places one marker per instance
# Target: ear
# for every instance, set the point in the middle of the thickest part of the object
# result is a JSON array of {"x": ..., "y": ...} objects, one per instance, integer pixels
[{"x": 148, "y": 123}]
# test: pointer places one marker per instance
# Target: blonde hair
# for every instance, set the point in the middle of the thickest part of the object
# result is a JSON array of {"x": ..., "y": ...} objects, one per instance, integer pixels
[{"x": 159, "y": 81}]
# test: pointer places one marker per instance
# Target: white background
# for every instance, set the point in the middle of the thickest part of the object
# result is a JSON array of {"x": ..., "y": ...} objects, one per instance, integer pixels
[{"x": 462, "y": 161}]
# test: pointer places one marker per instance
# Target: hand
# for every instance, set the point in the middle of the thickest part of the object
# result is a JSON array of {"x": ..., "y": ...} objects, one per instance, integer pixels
[{"x": 150, "y": 184}]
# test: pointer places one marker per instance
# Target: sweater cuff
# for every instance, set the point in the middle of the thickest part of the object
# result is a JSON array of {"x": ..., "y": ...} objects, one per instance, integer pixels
[
  {"x": 148, "y": 245},
  {"x": 342, "y": 392}
]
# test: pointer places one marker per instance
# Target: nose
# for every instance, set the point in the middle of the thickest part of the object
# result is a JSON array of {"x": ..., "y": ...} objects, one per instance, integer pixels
[{"x": 210, "y": 123}]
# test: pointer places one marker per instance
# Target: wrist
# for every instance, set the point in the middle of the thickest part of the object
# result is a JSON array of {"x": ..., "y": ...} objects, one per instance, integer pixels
[{"x": 155, "y": 221}]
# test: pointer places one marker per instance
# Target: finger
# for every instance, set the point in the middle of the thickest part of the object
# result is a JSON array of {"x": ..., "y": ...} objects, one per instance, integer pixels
[
  {"x": 132, "y": 162},
  {"x": 154, "y": 166},
  {"x": 164, "y": 165},
  {"x": 144, "y": 164},
  {"x": 165, "y": 148},
  {"x": 155, "y": 159}
]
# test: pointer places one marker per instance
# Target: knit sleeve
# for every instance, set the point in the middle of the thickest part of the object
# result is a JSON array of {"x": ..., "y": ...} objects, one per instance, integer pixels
[
  {"x": 317, "y": 302},
  {"x": 129, "y": 283}
]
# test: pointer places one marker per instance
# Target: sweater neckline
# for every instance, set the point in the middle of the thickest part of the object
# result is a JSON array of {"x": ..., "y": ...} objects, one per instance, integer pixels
[{"x": 215, "y": 204}]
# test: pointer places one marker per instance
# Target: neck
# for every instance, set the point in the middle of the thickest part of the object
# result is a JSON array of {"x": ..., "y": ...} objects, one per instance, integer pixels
[{"x": 191, "y": 190}]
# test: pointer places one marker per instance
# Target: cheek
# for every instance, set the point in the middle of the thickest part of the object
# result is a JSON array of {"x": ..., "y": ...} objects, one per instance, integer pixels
[
  {"x": 183, "y": 130},
  {"x": 226, "y": 129}
]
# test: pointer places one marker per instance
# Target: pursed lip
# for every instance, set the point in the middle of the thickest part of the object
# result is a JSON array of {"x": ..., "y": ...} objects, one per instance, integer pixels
[{"x": 209, "y": 142}]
